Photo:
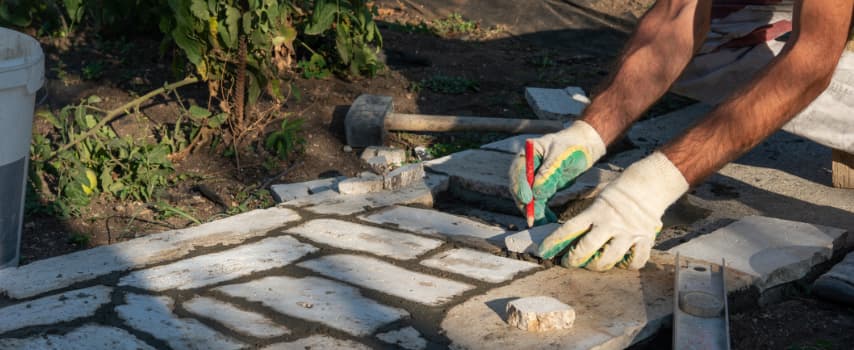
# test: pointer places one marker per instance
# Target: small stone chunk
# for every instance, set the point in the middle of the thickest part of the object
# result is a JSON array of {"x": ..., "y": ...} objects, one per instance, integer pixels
[
  {"x": 540, "y": 314},
  {"x": 404, "y": 176},
  {"x": 288, "y": 192},
  {"x": 393, "y": 156},
  {"x": 360, "y": 185},
  {"x": 556, "y": 104}
]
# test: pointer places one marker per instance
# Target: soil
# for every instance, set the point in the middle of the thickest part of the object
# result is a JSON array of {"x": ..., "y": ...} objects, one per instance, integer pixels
[{"x": 500, "y": 65}]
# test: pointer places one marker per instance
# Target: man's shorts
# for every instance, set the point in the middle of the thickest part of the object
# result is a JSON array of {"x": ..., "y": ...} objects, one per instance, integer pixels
[{"x": 744, "y": 36}]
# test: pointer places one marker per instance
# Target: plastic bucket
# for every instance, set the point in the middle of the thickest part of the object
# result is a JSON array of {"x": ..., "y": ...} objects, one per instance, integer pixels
[{"x": 21, "y": 75}]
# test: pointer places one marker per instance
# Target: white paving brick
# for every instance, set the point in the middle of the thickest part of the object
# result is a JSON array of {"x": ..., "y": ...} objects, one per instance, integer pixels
[
  {"x": 387, "y": 278},
  {"x": 56, "y": 308},
  {"x": 318, "y": 342},
  {"x": 478, "y": 265},
  {"x": 330, "y": 202},
  {"x": 435, "y": 223},
  {"x": 527, "y": 241},
  {"x": 89, "y": 337},
  {"x": 213, "y": 268},
  {"x": 407, "y": 338},
  {"x": 320, "y": 300},
  {"x": 62, "y": 271},
  {"x": 774, "y": 251},
  {"x": 241, "y": 321},
  {"x": 379, "y": 241},
  {"x": 556, "y": 103},
  {"x": 153, "y": 315}
]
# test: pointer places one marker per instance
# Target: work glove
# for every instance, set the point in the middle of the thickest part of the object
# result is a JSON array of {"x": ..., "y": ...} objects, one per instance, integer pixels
[
  {"x": 559, "y": 158},
  {"x": 620, "y": 227}
]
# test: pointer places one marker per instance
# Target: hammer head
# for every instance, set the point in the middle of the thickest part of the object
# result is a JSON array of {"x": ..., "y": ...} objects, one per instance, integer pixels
[{"x": 365, "y": 121}]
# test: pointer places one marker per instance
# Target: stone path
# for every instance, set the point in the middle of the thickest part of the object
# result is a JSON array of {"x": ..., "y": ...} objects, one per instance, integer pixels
[{"x": 374, "y": 270}]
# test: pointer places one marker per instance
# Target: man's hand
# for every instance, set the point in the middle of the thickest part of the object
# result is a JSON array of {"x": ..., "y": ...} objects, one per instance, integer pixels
[
  {"x": 621, "y": 224},
  {"x": 559, "y": 158}
]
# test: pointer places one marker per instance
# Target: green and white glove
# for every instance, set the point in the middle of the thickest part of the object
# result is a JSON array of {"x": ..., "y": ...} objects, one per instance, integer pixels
[
  {"x": 620, "y": 227},
  {"x": 559, "y": 158}
]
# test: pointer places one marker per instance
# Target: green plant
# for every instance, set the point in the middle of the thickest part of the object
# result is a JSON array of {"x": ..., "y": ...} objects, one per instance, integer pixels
[
  {"x": 286, "y": 140},
  {"x": 79, "y": 239},
  {"x": 437, "y": 150},
  {"x": 314, "y": 68},
  {"x": 93, "y": 71},
  {"x": 450, "y": 85},
  {"x": 165, "y": 211},
  {"x": 454, "y": 24},
  {"x": 355, "y": 33}
]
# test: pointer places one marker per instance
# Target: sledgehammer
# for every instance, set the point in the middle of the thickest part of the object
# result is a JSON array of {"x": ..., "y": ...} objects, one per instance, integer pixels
[{"x": 370, "y": 117}]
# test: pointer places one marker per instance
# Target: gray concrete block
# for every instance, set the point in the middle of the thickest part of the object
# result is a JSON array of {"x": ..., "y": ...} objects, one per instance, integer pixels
[
  {"x": 433, "y": 222},
  {"x": 772, "y": 251},
  {"x": 360, "y": 185},
  {"x": 556, "y": 104},
  {"x": 540, "y": 314},
  {"x": 391, "y": 156},
  {"x": 527, "y": 241},
  {"x": 481, "y": 171},
  {"x": 62, "y": 307},
  {"x": 375, "y": 240}
]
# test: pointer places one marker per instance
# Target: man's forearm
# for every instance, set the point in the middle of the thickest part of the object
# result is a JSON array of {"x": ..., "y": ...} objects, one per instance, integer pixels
[
  {"x": 657, "y": 53},
  {"x": 785, "y": 87}
]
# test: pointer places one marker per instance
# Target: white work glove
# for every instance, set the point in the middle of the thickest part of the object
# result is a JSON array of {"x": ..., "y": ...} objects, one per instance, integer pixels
[
  {"x": 621, "y": 225},
  {"x": 563, "y": 155}
]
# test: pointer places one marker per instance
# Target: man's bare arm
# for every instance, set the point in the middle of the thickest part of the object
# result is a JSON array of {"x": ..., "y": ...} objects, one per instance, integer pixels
[
  {"x": 661, "y": 47},
  {"x": 800, "y": 73}
]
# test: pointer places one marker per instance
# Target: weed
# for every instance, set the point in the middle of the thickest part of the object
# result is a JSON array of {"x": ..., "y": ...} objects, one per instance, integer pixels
[
  {"x": 79, "y": 239},
  {"x": 286, "y": 140},
  {"x": 420, "y": 27},
  {"x": 165, "y": 211},
  {"x": 93, "y": 71},
  {"x": 450, "y": 85},
  {"x": 454, "y": 24},
  {"x": 314, "y": 68},
  {"x": 437, "y": 150}
]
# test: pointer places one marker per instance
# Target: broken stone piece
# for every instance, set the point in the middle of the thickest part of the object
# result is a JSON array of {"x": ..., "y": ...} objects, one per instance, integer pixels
[
  {"x": 540, "y": 314},
  {"x": 556, "y": 104},
  {"x": 393, "y": 156},
  {"x": 367, "y": 182},
  {"x": 404, "y": 176}
]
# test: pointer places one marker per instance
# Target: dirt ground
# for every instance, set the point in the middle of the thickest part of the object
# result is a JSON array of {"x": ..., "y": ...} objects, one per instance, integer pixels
[{"x": 495, "y": 64}]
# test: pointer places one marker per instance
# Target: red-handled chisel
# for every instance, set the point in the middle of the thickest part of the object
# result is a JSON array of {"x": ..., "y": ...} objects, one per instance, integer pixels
[{"x": 529, "y": 172}]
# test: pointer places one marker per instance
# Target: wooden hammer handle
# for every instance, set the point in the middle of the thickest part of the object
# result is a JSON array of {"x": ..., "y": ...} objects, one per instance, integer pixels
[{"x": 421, "y": 122}]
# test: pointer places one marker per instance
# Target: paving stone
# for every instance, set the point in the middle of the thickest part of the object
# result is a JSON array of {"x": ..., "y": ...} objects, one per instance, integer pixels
[
  {"x": 480, "y": 171},
  {"x": 540, "y": 314},
  {"x": 433, "y": 222},
  {"x": 404, "y": 176},
  {"x": 556, "y": 104},
  {"x": 656, "y": 131},
  {"x": 512, "y": 145},
  {"x": 289, "y": 192},
  {"x": 205, "y": 270},
  {"x": 384, "y": 277},
  {"x": 421, "y": 193},
  {"x": 62, "y": 271},
  {"x": 88, "y": 337},
  {"x": 318, "y": 342},
  {"x": 153, "y": 315},
  {"x": 407, "y": 338},
  {"x": 379, "y": 241},
  {"x": 511, "y": 222},
  {"x": 478, "y": 265},
  {"x": 838, "y": 283},
  {"x": 614, "y": 309},
  {"x": 319, "y": 300},
  {"x": 771, "y": 250},
  {"x": 360, "y": 185},
  {"x": 241, "y": 321},
  {"x": 393, "y": 156},
  {"x": 527, "y": 241},
  {"x": 61, "y": 307}
]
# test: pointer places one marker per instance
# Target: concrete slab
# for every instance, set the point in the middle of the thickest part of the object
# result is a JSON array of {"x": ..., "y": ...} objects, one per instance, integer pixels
[
  {"x": 556, "y": 104},
  {"x": 478, "y": 265},
  {"x": 62, "y": 271},
  {"x": 318, "y": 342},
  {"x": 153, "y": 315},
  {"x": 404, "y": 176},
  {"x": 511, "y": 222},
  {"x": 654, "y": 132},
  {"x": 88, "y": 337},
  {"x": 389, "y": 279},
  {"x": 613, "y": 310},
  {"x": 527, "y": 241},
  {"x": 360, "y": 185},
  {"x": 479, "y": 171},
  {"x": 205, "y": 270},
  {"x": 62, "y": 307},
  {"x": 771, "y": 250},
  {"x": 407, "y": 338},
  {"x": 512, "y": 145},
  {"x": 375, "y": 240},
  {"x": 319, "y": 300},
  {"x": 241, "y": 321},
  {"x": 433, "y": 222},
  {"x": 288, "y": 192}
]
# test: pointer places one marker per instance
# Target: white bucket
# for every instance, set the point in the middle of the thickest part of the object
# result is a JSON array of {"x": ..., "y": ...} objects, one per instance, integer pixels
[{"x": 21, "y": 75}]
